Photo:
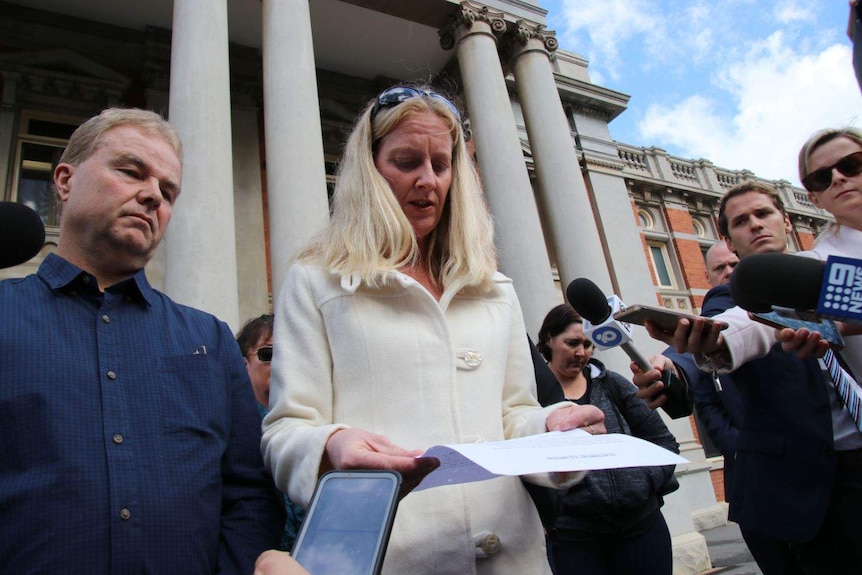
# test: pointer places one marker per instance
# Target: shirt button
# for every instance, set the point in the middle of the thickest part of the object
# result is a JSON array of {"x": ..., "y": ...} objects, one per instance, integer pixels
[
  {"x": 111, "y": 375},
  {"x": 106, "y": 319},
  {"x": 118, "y": 438},
  {"x": 125, "y": 514},
  {"x": 472, "y": 358},
  {"x": 86, "y": 280}
]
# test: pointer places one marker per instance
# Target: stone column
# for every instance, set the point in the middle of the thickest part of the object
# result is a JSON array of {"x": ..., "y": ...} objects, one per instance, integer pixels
[
  {"x": 11, "y": 80},
  {"x": 201, "y": 248},
  {"x": 561, "y": 188},
  {"x": 523, "y": 255},
  {"x": 252, "y": 285},
  {"x": 295, "y": 170}
]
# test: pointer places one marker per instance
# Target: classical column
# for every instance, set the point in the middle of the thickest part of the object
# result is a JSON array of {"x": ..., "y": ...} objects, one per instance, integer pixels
[
  {"x": 201, "y": 242},
  {"x": 520, "y": 243},
  {"x": 11, "y": 80},
  {"x": 295, "y": 170},
  {"x": 561, "y": 187},
  {"x": 252, "y": 285}
]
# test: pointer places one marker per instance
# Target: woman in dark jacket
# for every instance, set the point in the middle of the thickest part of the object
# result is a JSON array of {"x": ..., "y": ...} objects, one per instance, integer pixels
[{"x": 611, "y": 522}]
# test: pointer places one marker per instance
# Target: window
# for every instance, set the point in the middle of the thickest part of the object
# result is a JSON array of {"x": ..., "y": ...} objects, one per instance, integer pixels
[
  {"x": 661, "y": 264},
  {"x": 41, "y": 141},
  {"x": 645, "y": 219},
  {"x": 699, "y": 228}
]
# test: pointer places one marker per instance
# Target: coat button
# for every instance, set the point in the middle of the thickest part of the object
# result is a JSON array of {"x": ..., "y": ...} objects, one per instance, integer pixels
[
  {"x": 125, "y": 514},
  {"x": 472, "y": 358},
  {"x": 487, "y": 544}
]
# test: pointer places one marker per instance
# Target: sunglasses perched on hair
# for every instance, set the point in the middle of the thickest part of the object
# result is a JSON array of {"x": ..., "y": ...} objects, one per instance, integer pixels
[
  {"x": 819, "y": 180},
  {"x": 398, "y": 94},
  {"x": 264, "y": 353}
]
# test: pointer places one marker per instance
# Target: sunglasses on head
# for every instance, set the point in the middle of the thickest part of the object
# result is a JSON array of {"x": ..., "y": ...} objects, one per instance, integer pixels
[
  {"x": 819, "y": 180},
  {"x": 398, "y": 94},
  {"x": 264, "y": 353}
]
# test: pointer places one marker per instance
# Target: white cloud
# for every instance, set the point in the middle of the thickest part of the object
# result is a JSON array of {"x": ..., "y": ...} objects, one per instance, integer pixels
[
  {"x": 608, "y": 24},
  {"x": 789, "y": 12},
  {"x": 778, "y": 98}
]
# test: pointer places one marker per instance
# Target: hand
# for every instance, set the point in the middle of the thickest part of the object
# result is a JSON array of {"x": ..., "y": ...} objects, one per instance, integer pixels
[
  {"x": 649, "y": 383},
  {"x": 802, "y": 342},
  {"x": 274, "y": 562},
  {"x": 696, "y": 336},
  {"x": 587, "y": 417},
  {"x": 359, "y": 449}
]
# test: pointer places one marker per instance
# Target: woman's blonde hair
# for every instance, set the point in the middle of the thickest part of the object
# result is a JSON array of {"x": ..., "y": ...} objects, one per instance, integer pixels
[
  {"x": 368, "y": 233},
  {"x": 816, "y": 140}
]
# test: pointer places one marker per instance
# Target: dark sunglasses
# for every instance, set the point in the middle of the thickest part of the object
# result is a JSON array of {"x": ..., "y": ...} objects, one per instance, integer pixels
[
  {"x": 398, "y": 94},
  {"x": 264, "y": 353},
  {"x": 819, "y": 180}
]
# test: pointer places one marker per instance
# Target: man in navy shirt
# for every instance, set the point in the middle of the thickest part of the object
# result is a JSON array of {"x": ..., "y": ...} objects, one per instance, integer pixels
[{"x": 129, "y": 435}]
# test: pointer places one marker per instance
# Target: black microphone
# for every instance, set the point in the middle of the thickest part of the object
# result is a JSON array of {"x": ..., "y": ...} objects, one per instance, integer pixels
[
  {"x": 832, "y": 289},
  {"x": 606, "y": 332},
  {"x": 22, "y": 234},
  {"x": 600, "y": 325},
  {"x": 760, "y": 281}
]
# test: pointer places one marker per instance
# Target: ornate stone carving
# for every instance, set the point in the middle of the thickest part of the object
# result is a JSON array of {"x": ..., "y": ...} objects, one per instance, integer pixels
[
  {"x": 467, "y": 14},
  {"x": 525, "y": 31}
]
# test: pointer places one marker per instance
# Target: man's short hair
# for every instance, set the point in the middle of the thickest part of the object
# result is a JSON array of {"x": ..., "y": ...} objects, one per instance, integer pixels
[
  {"x": 88, "y": 136},
  {"x": 253, "y": 331},
  {"x": 744, "y": 188}
]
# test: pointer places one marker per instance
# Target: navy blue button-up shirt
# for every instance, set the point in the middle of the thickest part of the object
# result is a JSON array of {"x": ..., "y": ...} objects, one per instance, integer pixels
[{"x": 129, "y": 433}]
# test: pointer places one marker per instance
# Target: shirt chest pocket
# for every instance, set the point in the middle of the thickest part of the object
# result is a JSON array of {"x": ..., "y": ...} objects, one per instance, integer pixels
[{"x": 193, "y": 396}]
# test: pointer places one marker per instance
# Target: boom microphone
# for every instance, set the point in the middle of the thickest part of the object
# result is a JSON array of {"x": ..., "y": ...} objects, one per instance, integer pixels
[
  {"x": 22, "y": 234},
  {"x": 600, "y": 325},
  {"x": 833, "y": 289}
]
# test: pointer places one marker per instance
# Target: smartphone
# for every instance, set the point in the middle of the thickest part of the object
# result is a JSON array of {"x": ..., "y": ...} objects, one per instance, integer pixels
[
  {"x": 785, "y": 317},
  {"x": 664, "y": 318},
  {"x": 346, "y": 528}
]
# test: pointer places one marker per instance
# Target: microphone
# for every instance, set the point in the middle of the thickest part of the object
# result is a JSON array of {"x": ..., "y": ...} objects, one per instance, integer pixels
[
  {"x": 599, "y": 323},
  {"x": 830, "y": 289},
  {"x": 22, "y": 234}
]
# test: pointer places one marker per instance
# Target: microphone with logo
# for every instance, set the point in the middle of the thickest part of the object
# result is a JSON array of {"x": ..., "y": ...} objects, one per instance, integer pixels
[
  {"x": 22, "y": 234},
  {"x": 792, "y": 285},
  {"x": 606, "y": 333}
]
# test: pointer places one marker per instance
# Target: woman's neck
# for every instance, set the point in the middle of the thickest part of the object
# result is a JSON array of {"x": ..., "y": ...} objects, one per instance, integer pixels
[
  {"x": 420, "y": 272},
  {"x": 573, "y": 387}
]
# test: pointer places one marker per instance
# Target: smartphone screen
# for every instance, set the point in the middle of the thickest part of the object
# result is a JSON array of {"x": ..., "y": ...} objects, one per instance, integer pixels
[
  {"x": 784, "y": 317},
  {"x": 346, "y": 528}
]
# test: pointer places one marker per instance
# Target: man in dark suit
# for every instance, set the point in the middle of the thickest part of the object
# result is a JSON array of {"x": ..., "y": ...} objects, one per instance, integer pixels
[{"x": 796, "y": 493}]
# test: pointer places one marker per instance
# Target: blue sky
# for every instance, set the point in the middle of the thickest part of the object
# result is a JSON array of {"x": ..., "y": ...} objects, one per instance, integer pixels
[{"x": 742, "y": 83}]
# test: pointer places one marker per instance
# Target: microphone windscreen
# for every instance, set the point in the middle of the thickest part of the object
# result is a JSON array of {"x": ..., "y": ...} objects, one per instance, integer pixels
[
  {"x": 588, "y": 300},
  {"x": 760, "y": 281},
  {"x": 22, "y": 234}
]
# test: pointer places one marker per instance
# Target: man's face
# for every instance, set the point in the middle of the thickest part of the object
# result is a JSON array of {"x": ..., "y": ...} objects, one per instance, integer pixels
[
  {"x": 755, "y": 225},
  {"x": 720, "y": 262},
  {"x": 118, "y": 202}
]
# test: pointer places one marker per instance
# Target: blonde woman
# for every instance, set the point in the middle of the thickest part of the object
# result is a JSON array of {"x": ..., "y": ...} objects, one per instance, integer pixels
[{"x": 395, "y": 332}]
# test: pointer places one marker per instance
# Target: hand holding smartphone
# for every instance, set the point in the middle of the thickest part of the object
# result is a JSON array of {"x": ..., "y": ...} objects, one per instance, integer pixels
[{"x": 346, "y": 529}]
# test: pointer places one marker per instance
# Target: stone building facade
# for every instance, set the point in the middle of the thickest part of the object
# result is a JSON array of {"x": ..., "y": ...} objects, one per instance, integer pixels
[{"x": 263, "y": 93}]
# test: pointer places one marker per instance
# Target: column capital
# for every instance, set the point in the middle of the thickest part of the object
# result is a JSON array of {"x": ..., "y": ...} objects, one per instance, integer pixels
[
  {"x": 524, "y": 31},
  {"x": 462, "y": 21}
]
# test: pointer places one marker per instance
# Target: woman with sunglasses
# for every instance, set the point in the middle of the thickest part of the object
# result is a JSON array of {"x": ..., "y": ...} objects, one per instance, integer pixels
[
  {"x": 611, "y": 522},
  {"x": 255, "y": 343},
  {"x": 830, "y": 167},
  {"x": 395, "y": 332}
]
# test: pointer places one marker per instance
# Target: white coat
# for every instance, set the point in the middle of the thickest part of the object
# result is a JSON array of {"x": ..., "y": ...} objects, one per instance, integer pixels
[{"x": 396, "y": 362}]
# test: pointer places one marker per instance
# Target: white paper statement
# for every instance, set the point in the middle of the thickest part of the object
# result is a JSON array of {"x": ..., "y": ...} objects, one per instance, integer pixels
[{"x": 574, "y": 450}]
